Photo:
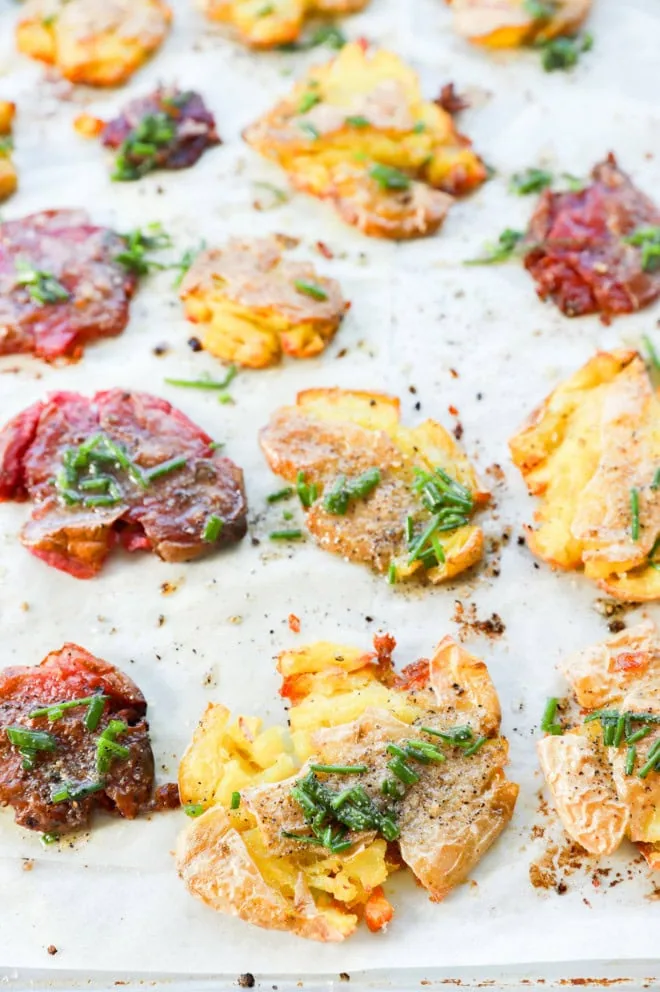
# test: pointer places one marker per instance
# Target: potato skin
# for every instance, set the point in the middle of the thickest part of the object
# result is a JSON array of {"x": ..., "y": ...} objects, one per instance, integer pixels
[
  {"x": 246, "y": 297},
  {"x": 333, "y": 432},
  {"x": 358, "y": 133},
  {"x": 283, "y": 23},
  {"x": 507, "y": 24},
  {"x": 583, "y": 452},
  {"x": 95, "y": 42}
]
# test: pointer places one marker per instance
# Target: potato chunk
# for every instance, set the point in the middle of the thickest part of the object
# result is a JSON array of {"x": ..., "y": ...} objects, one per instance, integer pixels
[
  {"x": 8, "y": 174},
  {"x": 96, "y": 42},
  {"x": 249, "y": 853},
  {"x": 512, "y": 23},
  {"x": 591, "y": 453},
  {"x": 332, "y": 437},
  {"x": 358, "y": 133},
  {"x": 604, "y": 773},
  {"x": 255, "y": 305},
  {"x": 270, "y": 23}
]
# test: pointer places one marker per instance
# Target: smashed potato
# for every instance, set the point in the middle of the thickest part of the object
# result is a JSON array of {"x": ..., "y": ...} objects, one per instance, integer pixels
[
  {"x": 255, "y": 305},
  {"x": 513, "y": 23},
  {"x": 8, "y": 174},
  {"x": 358, "y": 133},
  {"x": 259, "y": 852},
  {"x": 591, "y": 452},
  {"x": 262, "y": 24},
  {"x": 96, "y": 42},
  {"x": 603, "y": 773},
  {"x": 372, "y": 489}
]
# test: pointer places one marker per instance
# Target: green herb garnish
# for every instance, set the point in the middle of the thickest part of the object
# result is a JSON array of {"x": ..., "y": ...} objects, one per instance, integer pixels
[
  {"x": 340, "y": 769},
  {"x": 634, "y": 513},
  {"x": 30, "y": 742},
  {"x": 55, "y": 711},
  {"x": 138, "y": 243},
  {"x": 212, "y": 529},
  {"x": 307, "y": 101},
  {"x": 70, "y": 791},
  {"x": 309, "y": 130},
  {"x": 310, "y": 289},
  {"x": 285, "y": 535},
  {"x": 357, "y": 120},
  {"x": 206, "y": 383},
  {"x": 307, "y": 492},
  {"x": 502, "y": 251},
  {"x": 540, "y": 10},
  {"x": 138, "y": 153},
  {"x": 342, "y": 491},
  {"x": 392, "y": 575},
  {"x": 388, "y": 177},
  {"x": 564, "y": 52},
  {"x": 42, "y": 287},
  {"x": 107, "y": 747},
  {"x": 648, "y": 239},
  {"x": 266, "y": 10},
  {"x": 193, "y": 809},
  {"x": 631, "y": 757},
  {"x": 285, "y": 493},
  {"x": 165, "y": 468},
  {"x": 184, "y": 263},
  {"x": 530, "y": 181},
  {"x": 235, "y": 800},
  {"x": 548, "y": 723}
]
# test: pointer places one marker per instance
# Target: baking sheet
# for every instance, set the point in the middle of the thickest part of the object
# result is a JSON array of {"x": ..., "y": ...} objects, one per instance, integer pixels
[{"x": 113, "y": 902}]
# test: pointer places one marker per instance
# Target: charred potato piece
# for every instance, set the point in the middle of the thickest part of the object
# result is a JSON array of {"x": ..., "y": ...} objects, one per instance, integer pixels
[
  {"x": 591, "y": 452},
  {"x": 255, "y": 305},
  {"x": 336, "y": 439},
  {"x": 358, "y": 133},
  {"x": 603, "y": 773},
  {"x": 513, "y": 23},
  {"x": 8, "y": 174},
  {"x": 244, "y": 858},
  {"x": 280, "y": 22},
  {"x": 96, "y": 42}
]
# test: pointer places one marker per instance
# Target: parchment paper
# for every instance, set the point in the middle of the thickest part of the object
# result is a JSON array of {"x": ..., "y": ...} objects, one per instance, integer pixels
[{"x": 113, "y": 900}]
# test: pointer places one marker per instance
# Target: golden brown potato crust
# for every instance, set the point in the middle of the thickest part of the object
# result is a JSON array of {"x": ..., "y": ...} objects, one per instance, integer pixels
[
  {"x": 511, "y": 23},
  {"x": 334, "y": 432},
  {"x": 256, "y": 305},
  {"x": 348, "y": 707},
  {"x": 8, "y": 174},
  {"x": 591, "y": 452},
  {"x": 358, "y": 133},
  {"x": 280, "y": 22},
  {"x": 599, "y": 796},
  {"x": 96, "y": 42}
]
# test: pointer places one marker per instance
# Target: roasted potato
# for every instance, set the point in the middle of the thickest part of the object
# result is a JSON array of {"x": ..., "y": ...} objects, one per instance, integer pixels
[
  {"x": 262, "y": 24},
  {"x": 601, "y": 772},
  {"x": 256, "y": 305},
  {"x": 333, "y": 435},
  {"x": 96, "y": 42},
  {"x": 243, "y": 855},
  {"x": 513, "y": 23},
  {"x": 357, "y": 132},
  {"x": 591, "y": 453},
  {"x": 8, "y": 174}
]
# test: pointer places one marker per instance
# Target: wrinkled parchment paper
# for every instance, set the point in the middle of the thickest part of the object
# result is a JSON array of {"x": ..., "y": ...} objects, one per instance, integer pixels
[{"x": 113, "y": 900}]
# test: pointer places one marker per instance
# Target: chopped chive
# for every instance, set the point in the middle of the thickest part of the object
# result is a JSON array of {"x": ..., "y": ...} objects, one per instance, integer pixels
[
  {"x": 29, "y": 742},
  {"x": 619, "y": 730},
  {"x": 438, "y": 549},
  {"x": 107, "y": 747},
  {"x": 310, "y": 289},
  {"x": 193, "y": 809},
  {"x": 392, "y": 575},
  {"x": 652, "y": 356},
  {"x": 548, "y": 724},
  {"x": 651, "y": 759},
  {"x": 235, "y": 800},
  {"x": 393, "y": 788},
  {"x": 287, "y": 515},
  {"x": 420, "y": 543},
  {"x": 530, "y": 181},
  {"x": 634, "y": 511},
  {"x": 639, "y": 735},
  {"x": 563, "y": 52},
  {"x": 48, "y": 839},
  {"x": 388, "y": 177},
  {"x": 212, "y": 529},
  {"x": 42, "y": 287},
  {"x": 419, "y": 127},
  {"x": 70, "y": 792},
  {"x": 309, "y": 130},
  {"x": 209, "y": 383},
  {"x": 307, "y": 492},
  {"x": 473, "y": 748},
  {"x": 164, "y": 468},
  {"x": 307, "y": 101},
  {"x": 631, "y": 757},
  {"x": 56, "y": 710},
  {"x": 280, "y": 494},
  {"x": 303, "y": 838},
  {"x": 403, "y": 771},
  {"x": 410, "y": 529},
  {"x": 502, "y": 251},
  {"x": 95, "y": 712},
  {"x": 340, "y": 769},
  {"x": 285, "y": 535},
  {"x": 656, "y": 480},
  {"x": 357, "y": 120}
]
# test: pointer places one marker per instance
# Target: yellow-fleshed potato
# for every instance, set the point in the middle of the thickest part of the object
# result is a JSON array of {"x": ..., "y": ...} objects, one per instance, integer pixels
[
  {"x": 249, "y": 853},
  {"x": 591, "y": 453},
  {"x": 603, "y": 773},
  {"x": 357, "y": 132},
  {"x": 8, "y": 174},
  {"x": 254, "y": 305},
  {"x": 270, "y": 23},
  {"x": 513, "y": 23},
  {"x": 336, "y": 439},
  {"x": 96, "y": 42}
]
